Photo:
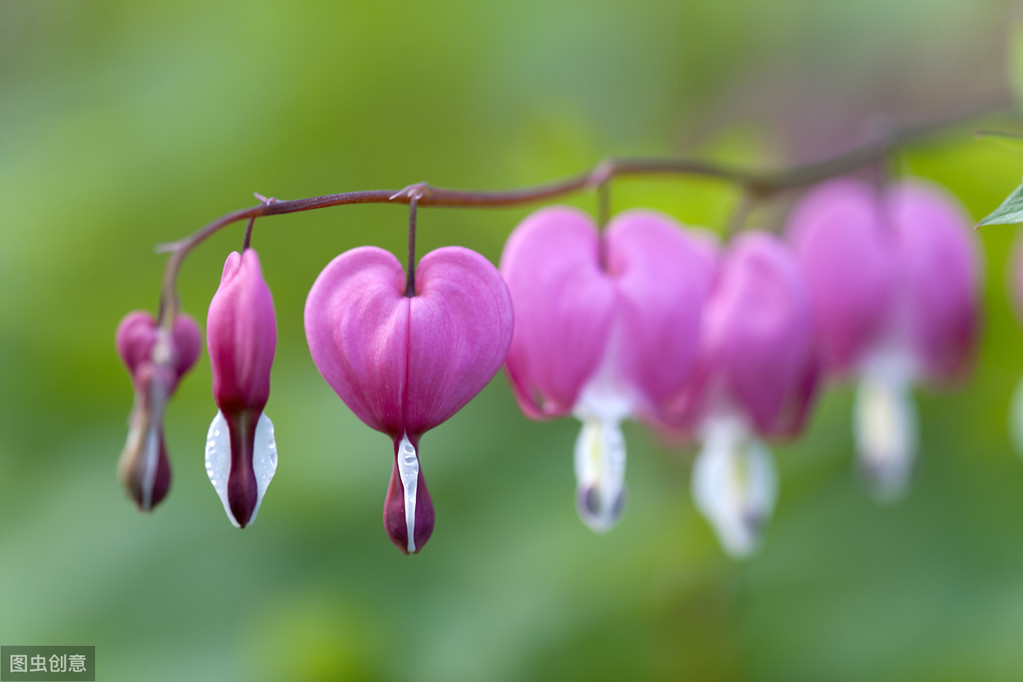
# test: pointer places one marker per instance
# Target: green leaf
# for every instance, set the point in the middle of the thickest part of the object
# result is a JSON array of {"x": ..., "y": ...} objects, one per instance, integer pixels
[{"x": 1009, "y": 213}]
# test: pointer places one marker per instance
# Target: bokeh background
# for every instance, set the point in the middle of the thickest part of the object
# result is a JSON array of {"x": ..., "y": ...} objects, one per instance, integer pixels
[{"x": 127, "y": 124}]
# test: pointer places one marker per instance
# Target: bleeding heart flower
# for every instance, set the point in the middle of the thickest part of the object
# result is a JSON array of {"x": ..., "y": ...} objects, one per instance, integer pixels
[
  {"x": 156, "y": 359},
  {"x": 241, "y": 334},
  {"x": 756, "y": 378},
  {"x": 606, "y": 328},
  {"x": 893, "y": 278},
  {"x": 405, "y": 364}
]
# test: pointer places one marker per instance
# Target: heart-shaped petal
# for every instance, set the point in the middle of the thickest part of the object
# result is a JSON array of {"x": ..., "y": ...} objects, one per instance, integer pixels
[
  {"x": 564, "y": 306},
  {"x": 137, "y": 335},
  {"x": 357, "y": 327},
  {"x": 460, "y": 328},
  {"x": 758, "y": 338},
  {"x": 844, "y": 244},
  {"x": 406, "y": 364},
  {"x": 663, "y": 279},
  {"x": 939, "y": 263},
  {"x": 632, "y": 306}
]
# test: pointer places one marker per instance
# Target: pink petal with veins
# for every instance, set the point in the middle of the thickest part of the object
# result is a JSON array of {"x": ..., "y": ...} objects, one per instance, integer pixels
[
  {"x": 241, "y": 335},
  {"x": 564, "y": 305},
  {"x": 663, "y": 279},
  {"x": 758, "y": 339},
  {"x": 405, "y": 365},
  {"x": 846, "y": 249},
  {"x": 939, "y": 266},
  {"x": 646, "y": 298}
]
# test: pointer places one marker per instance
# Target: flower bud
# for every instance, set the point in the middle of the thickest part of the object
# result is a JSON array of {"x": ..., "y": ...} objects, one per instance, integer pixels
[
  {"x": 241, "y": 334},
  {"x": 156, "y": 360}
]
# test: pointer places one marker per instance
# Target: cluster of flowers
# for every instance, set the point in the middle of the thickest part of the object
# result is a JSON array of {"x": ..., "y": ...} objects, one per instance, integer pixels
[{"x": 724, "y": 344}]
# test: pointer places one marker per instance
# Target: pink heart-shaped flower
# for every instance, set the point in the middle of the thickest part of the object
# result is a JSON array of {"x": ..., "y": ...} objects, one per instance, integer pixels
[
  {"x": 630, "y": 299},
  {"x": 406, "y": 364},
  {"x": 606, "y": 327},
  {"x": 758, "y": 335}
]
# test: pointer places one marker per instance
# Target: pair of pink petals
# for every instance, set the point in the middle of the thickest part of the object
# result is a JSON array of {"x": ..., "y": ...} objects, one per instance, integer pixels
[
  {"x": 755, "y": 377},
  {"x": 757, "y": 357},
  {"x": 894, "y": 278},
  {"x": 897, "y": 266},
  {"x": 631, "y": 298},
  {"x": 606, "y": 328},
  {"x": 406, "y": 364}
]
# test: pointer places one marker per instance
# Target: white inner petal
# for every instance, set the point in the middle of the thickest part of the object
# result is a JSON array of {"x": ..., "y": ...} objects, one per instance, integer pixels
[
  {"x": 150, "y": 462},
  {"x": 600, "y": 448},
  {"x": 218, "y": 460},
  {"x": 600, "y": 473},
  {"x": 408, "y": 471},
  {"x": 151, "y": 438},
  {"x": 734, "y": 482},
  {"x": 885, "y": 426}
]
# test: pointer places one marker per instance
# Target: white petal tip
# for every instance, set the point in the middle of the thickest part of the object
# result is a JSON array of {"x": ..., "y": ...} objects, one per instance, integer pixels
[
  {"x": 408, "y": 471},
  {"x": 600, "y": 515},
  {"x": 218, "y": 461},
  {"x": 600, "y": 473},
  {"x": 886, "y": 433},
  {"x": 735, "y": 487}
]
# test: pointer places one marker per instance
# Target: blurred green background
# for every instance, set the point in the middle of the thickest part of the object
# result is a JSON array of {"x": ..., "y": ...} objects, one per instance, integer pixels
[{"x": 127, "y": 124}]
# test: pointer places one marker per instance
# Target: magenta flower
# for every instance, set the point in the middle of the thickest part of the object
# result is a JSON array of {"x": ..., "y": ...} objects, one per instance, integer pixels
[
  {"x": 241, "y": 334},
  {"x": 606, "y": 328},
  {"x": 755, "y": 379},
  {"x": 893, "y": 278},
  {"x": 156, "y": 360},
  {"x": 405, "y": 364}
]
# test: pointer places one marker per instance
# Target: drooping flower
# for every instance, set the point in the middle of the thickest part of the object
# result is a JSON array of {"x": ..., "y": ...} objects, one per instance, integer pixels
[
  {"x": 405, "y": 364},
  {"x": 156, "y": 359},
  {"x": 893, "y": 277},
  {"x": 241, "y": 334},
  {"x": 606, "y": 328},
  {"x": 755, "y": 378}
]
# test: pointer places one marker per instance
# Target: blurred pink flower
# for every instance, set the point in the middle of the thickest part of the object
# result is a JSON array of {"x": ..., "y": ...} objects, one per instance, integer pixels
[
  {"x": 241, "y": 335},
  {"x": 156, "y": 360},
  {"x": 406, "y": 364},
  {"x": 755, "y": 378},
  {"x": 894, "y": 279},
  {"x": 606, "y": 328}
]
